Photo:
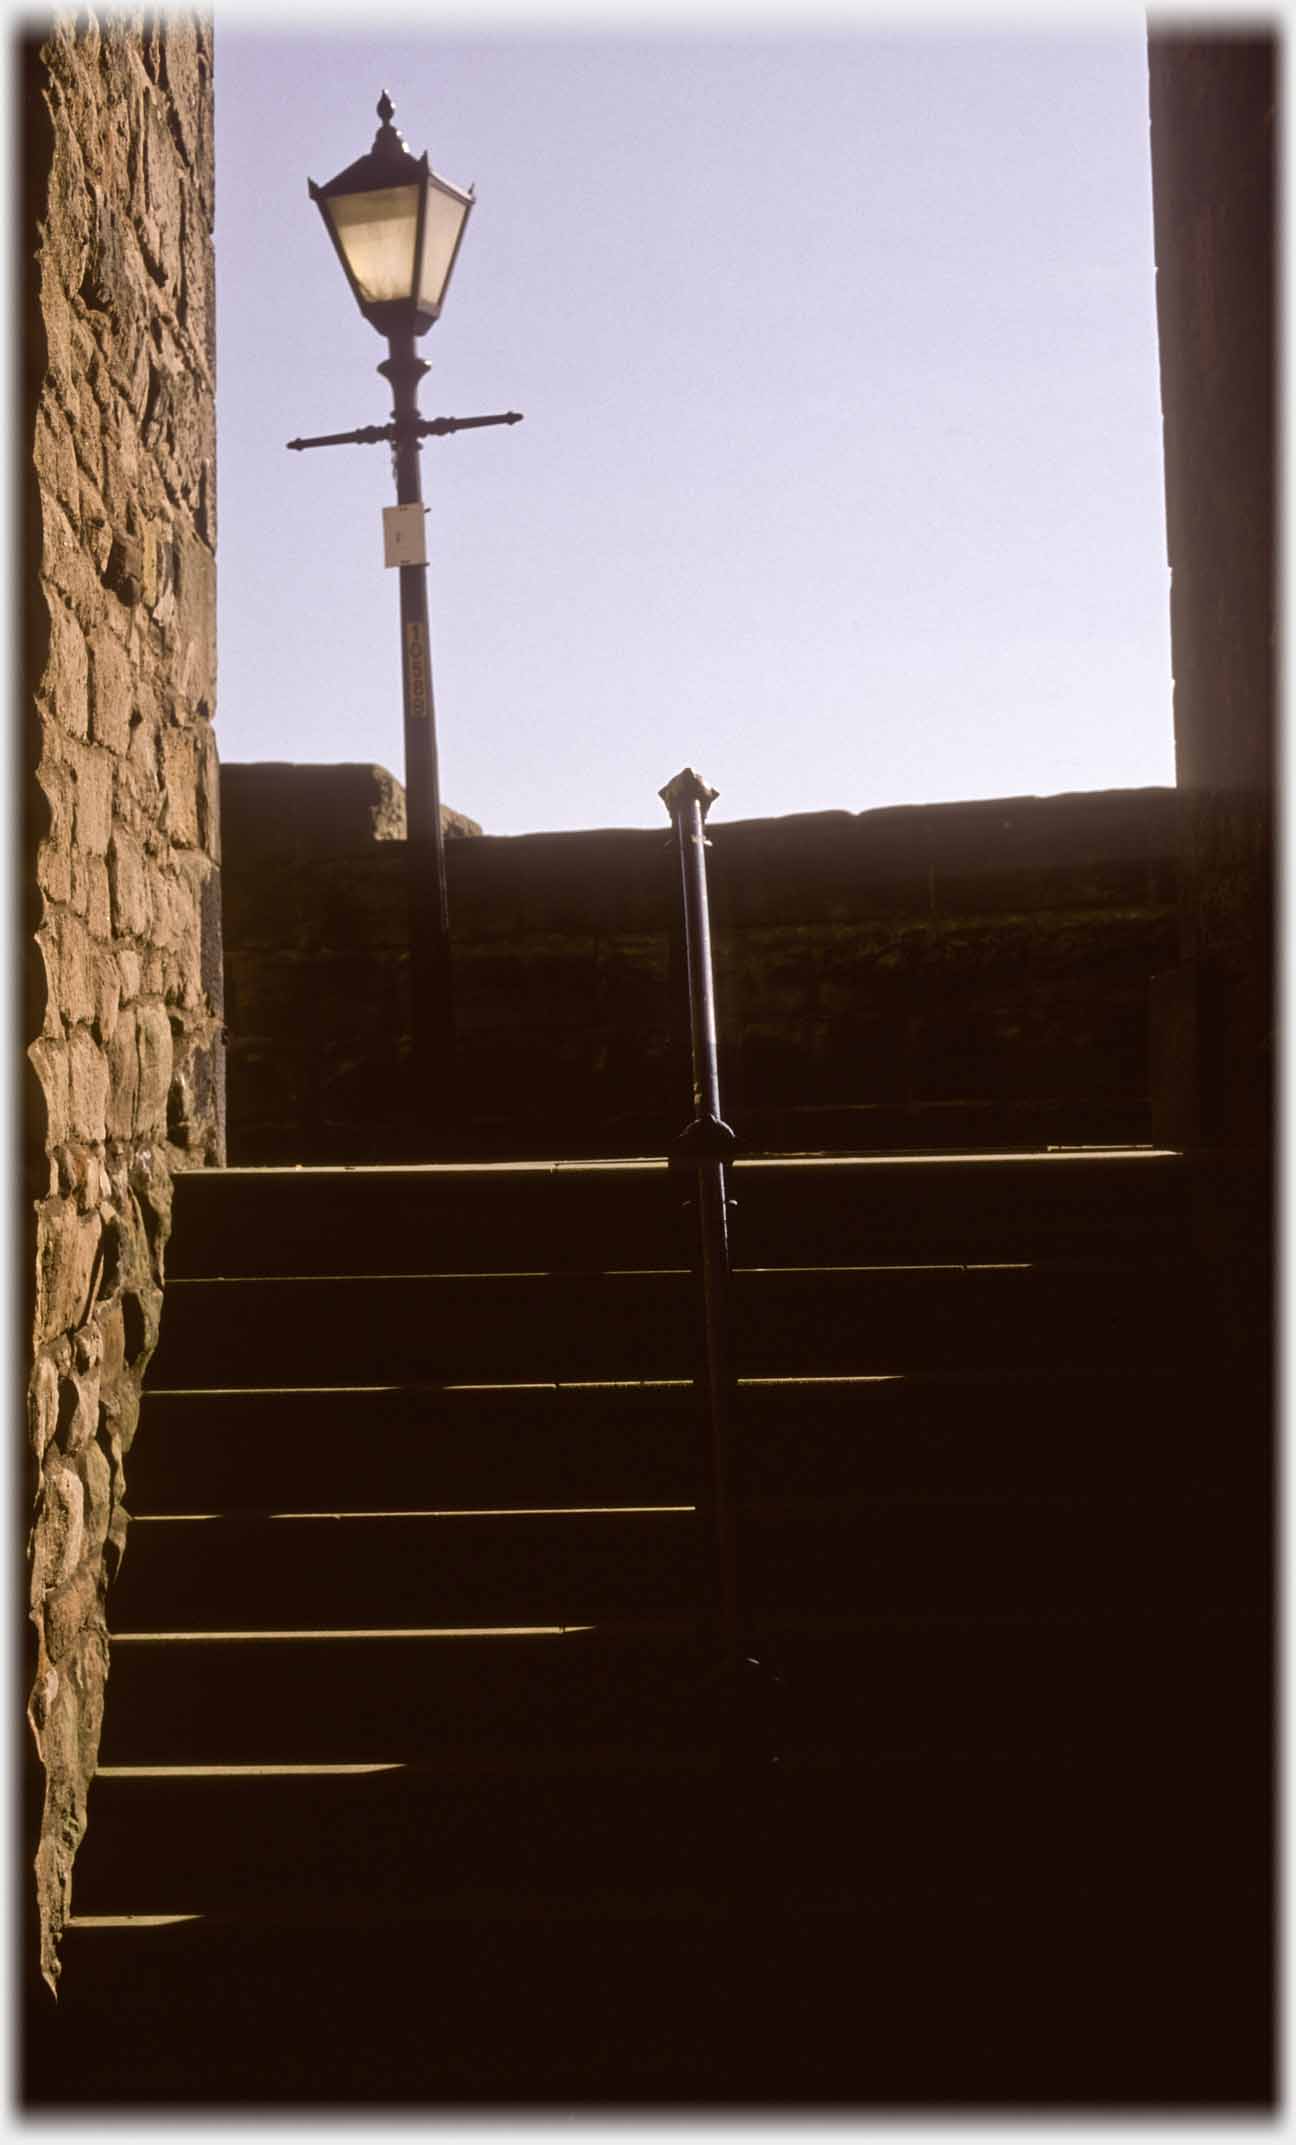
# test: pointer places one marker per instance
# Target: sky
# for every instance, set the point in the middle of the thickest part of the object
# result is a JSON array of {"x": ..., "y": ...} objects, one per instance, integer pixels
[{"x": 840, "y": 473}]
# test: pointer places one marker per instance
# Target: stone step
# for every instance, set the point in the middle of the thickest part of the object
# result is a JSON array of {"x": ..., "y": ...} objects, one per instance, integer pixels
[
  {"x": 971, "y": 1554},
  {"x": 570, "y": 1216},
  {"x": 384, "y": 1840},
  {"x": 400, "y": 1835},
  {"x": 463, "y": 1328},
  {"x": 1011, "y": 1683},
  {"x": 386, "y": 1448},
  {"x": 668, "y": 2003}
]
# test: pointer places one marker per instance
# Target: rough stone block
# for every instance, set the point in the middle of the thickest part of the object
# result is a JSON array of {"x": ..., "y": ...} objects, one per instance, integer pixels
[
  {"x": 48, "y": 1056},
  {"x": 162, "y": 219},
  {"x": 128, "y": 880},
  {"x": 87, "y": 1086},
  {"x": 59, "y": 1530},
  {"x": 123, "y": 569},
  {"x": 93, "y": 800},
  {"x": 56, "y": 793},
  {"x": 79, "y": 891},
  {"x": 208, "y": 791},
  {"x": 67, "y": 1245},
  {"x": 123, "y": 1084},
  {"x": 196, "y": 615},
  {"x": 70, "y": 572},
  {"x": 79, "y": 1419},
  {"x": 97, "y": 1474},
  {"x": 55, "y": 456},
  {"x": 69, "y": 1610},
  {"x": 69, "y": 965},
  {"x": 155, "y": 570},
  {"x": 138, "y": 794},
  {"x": 108, "y": 1318},
  {"x": 54, "y": 872},
  {"x": 74, "y": 1709},
  {"x": 155, "y": 1058},
  {"x": 43, "y": 1405},
  {"x": 181, "y": 760},
  {"x": 128, "y": 967},
  {"x": 120, "y": 1418},
  {"x": 98, "y": 905},
  {"x": 111, "y": 691},
  {"x": 67, "y": 671}
]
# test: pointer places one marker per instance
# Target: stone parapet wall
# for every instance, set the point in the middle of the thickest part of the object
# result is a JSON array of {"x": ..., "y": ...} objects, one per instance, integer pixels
[
  {"x": 120, "y": 804},
  {"x": 973, "y": 971}
]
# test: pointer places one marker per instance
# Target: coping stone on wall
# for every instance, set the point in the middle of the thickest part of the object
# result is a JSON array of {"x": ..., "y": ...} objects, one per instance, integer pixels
[{"x": 289, "y": 809}]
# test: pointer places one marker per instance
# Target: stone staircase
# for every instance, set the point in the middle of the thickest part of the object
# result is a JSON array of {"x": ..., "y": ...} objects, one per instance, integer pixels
[{"x": 412, "y": 1787}]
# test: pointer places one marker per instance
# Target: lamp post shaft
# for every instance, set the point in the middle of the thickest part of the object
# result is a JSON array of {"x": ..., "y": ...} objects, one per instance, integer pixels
[{"x": 429, "y": 912}]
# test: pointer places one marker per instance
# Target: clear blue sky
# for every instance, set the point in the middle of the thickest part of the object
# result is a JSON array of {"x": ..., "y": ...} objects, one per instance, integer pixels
[{"x": 840, "y": 477}]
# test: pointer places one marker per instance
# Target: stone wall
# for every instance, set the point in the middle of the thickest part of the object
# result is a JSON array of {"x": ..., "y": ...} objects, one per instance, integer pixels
[
  {"x": 1215, "y": 155},
  {"x": 1215, "y": 100},
  {"x": 968, "y": 973},
  {"x": 120, "y": 806}
]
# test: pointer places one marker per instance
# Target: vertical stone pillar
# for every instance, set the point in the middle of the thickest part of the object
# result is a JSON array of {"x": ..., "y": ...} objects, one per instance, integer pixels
[
  {"x": 1214, "y": 158},
  {"x": 119, "y": 794}
]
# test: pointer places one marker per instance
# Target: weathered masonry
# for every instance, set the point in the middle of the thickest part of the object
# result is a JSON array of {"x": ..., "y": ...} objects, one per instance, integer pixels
[
  {"x": 921, "y": 974},
  {"x": 119, "y": 797}
]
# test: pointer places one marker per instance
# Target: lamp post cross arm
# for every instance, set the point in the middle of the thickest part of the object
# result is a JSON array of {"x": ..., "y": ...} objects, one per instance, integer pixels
[{"x": 405, "y": 428}]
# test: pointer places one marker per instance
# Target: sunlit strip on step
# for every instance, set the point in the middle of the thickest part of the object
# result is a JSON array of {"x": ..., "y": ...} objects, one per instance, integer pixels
[
  {"x": 416, "y": 1385},
  {"x": 986, "y": 1159},
  {"x": 245, "y": 1772},
  {"x": 539, "y": 1165},
  {"x": 868, "y": 1377},
  {"x": 414, "y": 1631},
  {"x": 449, "y": 1273},
  {"x": 906, "y": 1266},
  {"x": 488, "y": 1511}
]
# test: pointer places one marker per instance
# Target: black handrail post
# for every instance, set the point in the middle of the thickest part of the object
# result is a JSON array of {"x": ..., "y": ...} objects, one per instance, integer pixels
[
  {"x": 745, "y": 1691},
  {"x": 706, "y": 1145}
]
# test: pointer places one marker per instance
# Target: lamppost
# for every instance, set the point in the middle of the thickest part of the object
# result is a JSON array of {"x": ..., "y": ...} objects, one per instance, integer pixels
[{"x": 397, "y": 227}]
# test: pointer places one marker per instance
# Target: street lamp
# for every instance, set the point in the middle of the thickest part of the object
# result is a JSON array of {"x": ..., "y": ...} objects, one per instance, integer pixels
[{"x": 397, "y": 227}]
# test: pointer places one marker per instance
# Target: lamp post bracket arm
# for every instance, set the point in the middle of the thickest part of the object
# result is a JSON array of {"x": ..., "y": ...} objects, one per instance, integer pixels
[{"x": 420, "y": 427}]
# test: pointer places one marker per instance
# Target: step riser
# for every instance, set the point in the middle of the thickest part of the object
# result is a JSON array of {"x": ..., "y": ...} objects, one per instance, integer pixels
[
  {"x": 361, "y": 1573},
  {"x": 396, "y": 1221},
  {"x": 417, "y": 1449},
  {"x": 496, "y": 1328},
  {"x": 425, "y": 1449}
]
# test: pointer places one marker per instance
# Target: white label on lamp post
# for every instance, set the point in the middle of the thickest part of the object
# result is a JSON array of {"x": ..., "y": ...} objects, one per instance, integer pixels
[{"x": 404, "y": 536}]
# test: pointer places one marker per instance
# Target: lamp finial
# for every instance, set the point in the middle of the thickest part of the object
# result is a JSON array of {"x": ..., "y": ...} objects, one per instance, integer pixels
[{"x": 387, "y": 141}]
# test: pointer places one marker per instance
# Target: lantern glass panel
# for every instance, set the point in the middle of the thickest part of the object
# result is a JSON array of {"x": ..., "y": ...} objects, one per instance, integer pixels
[
  {"x": 376, "y": 231},
  {"x": 442, "y": 224}
]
